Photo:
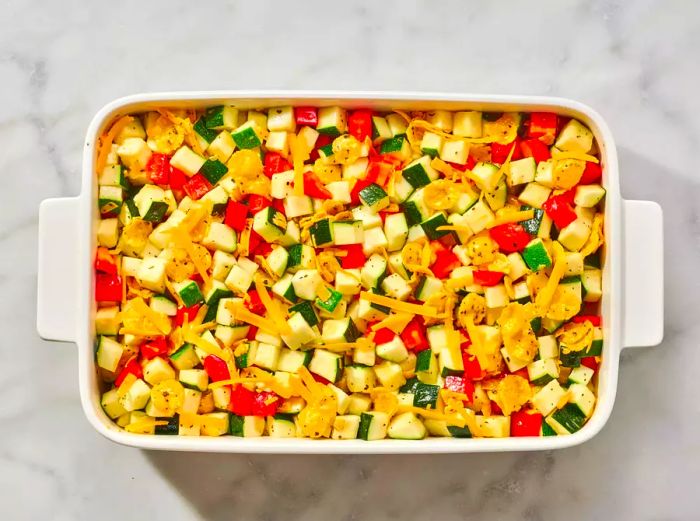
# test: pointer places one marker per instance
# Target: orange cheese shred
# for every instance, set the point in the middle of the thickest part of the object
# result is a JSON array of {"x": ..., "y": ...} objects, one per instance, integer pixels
[
  {"x": 399, "y": 305},
  {"x": 107, "y": 139}
]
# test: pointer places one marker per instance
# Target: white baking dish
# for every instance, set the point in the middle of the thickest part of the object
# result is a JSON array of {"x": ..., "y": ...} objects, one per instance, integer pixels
[{"x": 632, "y": 305}]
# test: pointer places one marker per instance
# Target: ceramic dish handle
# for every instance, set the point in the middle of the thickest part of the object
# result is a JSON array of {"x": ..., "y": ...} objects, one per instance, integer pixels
[
  {"x": 643, "y": 274},
  {"x": 56, "y": 316}
]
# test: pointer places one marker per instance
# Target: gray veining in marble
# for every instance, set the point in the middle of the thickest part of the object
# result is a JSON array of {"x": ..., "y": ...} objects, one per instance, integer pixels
[{"x": 635, "y": 62}]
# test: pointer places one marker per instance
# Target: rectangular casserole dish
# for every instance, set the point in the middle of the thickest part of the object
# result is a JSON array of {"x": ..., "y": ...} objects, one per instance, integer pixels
[{"x": 632, "y": 304}]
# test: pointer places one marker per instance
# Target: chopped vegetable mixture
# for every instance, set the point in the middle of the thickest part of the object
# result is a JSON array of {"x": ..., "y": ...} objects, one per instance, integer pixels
[{"x": 333, "y": 273}]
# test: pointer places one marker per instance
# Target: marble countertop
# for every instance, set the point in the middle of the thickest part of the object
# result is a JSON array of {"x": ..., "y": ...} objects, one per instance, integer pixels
[{"x": 635, "y": 62}]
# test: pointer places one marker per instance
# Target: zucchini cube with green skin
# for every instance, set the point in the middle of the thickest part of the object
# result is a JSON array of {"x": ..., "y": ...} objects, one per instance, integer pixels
[
  {"x": 574, "y": 137},
  {"x": 402, "y": 190},
  {"x": 162, "y": 304},
  {"x": 368, "y": 217},
  {"x": 204, "y": 134},
  {"x": 373, "y": 425},
  {"x": 467, "y": 124},
  {"x": 326, "y": 364},
  {"x": 574, "y": 235},
  {"x": 112, "y": 175},
  {"x": 298, "y": 206},
  {"x": 496, "y": 296},
  {"x": 521, "y": 171},
  {"x": 110, "y": 200},
  {"x": 264, "y": 355},
  {"x": 342, "y": 330},
  {"x": 588, "y": 196},
  {"x": 187, "y": 160},
  {"x": 374, "y": 197},
  {"x": 390, "y": 375},
  {"x": 582, "y": 398},
  {"x": 221, "y": 263},
  {"x": 321, "y": 233},
  {"x": 543, "y": 371},
  {"x": 306, "y": 284},
  {"x": 347, "y": 282},
  {"x": 219, "y": 200},
  {"x": 493, "y": 426},
  {"x": 396, "y": 231},
  {"x": 221, "y": 117},
  {"x": 394, "y": 350},
  {"x": 331, "y": 303},
  {"x": 374, "y": 240},
  {"x": 332, "y": 121},
  {"x": 455, "y": 151},
  {"x": 213, "y": 170},
  {"x": 347, "y": 232},
  {"x": 108, "y": 232},
  {"x": 230, "y": 334},
  {"x": 427, "y": 286},
  {"x": 222, "y": 147},
  {"x": 189, "y": 292},
  {"x": 397, "y": 124},
  {"x": 547, "y": 398},
  {"x": 220, "y": 237},
  {"x": 136, "y": 397},
  {"x": 479, "y": 216},
  {"x": 111, "y": 406},
  {"x": 156, "y": 370},
  {"x": 430, "y": 226},
  {"x": 514, "y": 364},
  {"x": 536, "y": 255},
  {"x": 380, "y": 130},
  {"x": 196, "y": 379},
  {"x": 397, "y": 147},
  {"x": 277, "y": 260},
  {"x": 184, "y": 358},
  {"x": 373, "y": 272},
  {"x": 151, "y": 274},
  {"x": 395, "y": 286},
  {"x": 107, "y": 321},
  {"x": 580, "y": 375},
  {"x": 246, "y": 426},
  {"x": 281, "y": 119},
  {"x": 497, "y": 198},
  {"x": 217, "y": 292},
  {"x": 284, "y": 288},
  {"x": 340, "y": 191},
  {"x": 246, "y": 136},
  {"x": 270, "y": 224},
  {"x": 109, "y": 353},
  {"x": 592, "y": 284},
  {"x": 134, "y": 153},
  {"x": 441, "y": 119},
  {"x": 281, "y": 426},
  {"x": 427, "y": 367},
  {"x": 566, "y": 420},
  {"x": 450, "y": 361},
  {"x": 406, "y": 426},
  {"x": 431, "y": 144},
  {"x": 359, "y": 403},
  {"x": 360, "y": 379},
  {"x": 486, "y": 176},
  {"x": 419, "y": 173},
  {"x": 345, "y": 427},
  {"x": 301, "y": 256},
  {"x": 548, "y": 347},
  {"x": 425, "y": 395},
  {"x": 534, "y": 195},
  {"x": 301, "y": 332},
  {"x": 291, "y": 361}
]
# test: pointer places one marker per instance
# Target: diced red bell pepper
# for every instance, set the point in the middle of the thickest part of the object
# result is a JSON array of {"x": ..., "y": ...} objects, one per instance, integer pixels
[
  {"x": 536, "y": 149},
  {"x": 252, "y": 332},
  {"x": 264, "y": 248},
  {"x": 495, "y": 408},
  {"x": 253, "y": 303},
  {"x": 445, "y": 262},
  {"x": 177, "y": 178},
  {"x": 360, "y": 124},
  {"x": 183, "y": 312},
  {"x": 320, "y": 379},
  {"x": 460, "y": 384},
  {"x": 383, "y": 335},
  {"x": 313, "y": 187},
  {"x": 131, "y": 367},
  {"x": 236, "y": 214},
  {"x": 242, "y": 401},
  {"x": 108, "y": 287},
  {"x": 472, "y": 368},
  {"x": 197, "y": 187},
  {"x": 158, "y": 169},
  {"x": 306, "y": 116},
  {"x": 593, "y": 319},
  {"x": 153, "y": 348},
  {"x": 560, "y": 209},
  {"x": 591, "y": 174},
  {"x": 266, "y": 403},
  {"x": 499, "y": 153},
  {"x": 322, "y": 141},
  {"x": 355, "y": 257},
  {"x": 510, "y": 237},
  {"x": 590, "y": 362},
  {"x": 542, "y": 125},
  {"x": 257, "y": 202},
  {"x": 522, "y": 373},
  {"x": 525, "y": 423},
  {"x": 274, "y": 164},
  {"x": 487, "y": 278},
  {"x": 254, "y": 241},
  {"x": 216, "y": 368},
  {"x": 414, "y": 337},
  {"x": 278, "y": 204},
  {"x": 105, "y": 262}
]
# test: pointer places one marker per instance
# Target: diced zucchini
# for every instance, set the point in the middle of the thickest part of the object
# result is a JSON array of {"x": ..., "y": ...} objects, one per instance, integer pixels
[
  {"x": 374, "y": 197},
  {"x": 136, "y": 397},
  {"x": 592, "y": 284},
  {"x": 264, "y": 355},
  {"x": 189, "y": 292},
  {"x": 246, "y": 426},
  {"x": 542, "y": 371},
  {"x": 479, "y": 217},
  {"x": 534, "y": 195},
  {"x": 332, "y": 121},
  {"x": 339, "y": 330},
  {"x": 467, "y": 124},
  {"x": 347, "y": 232},
  {"x": 574, "y": 137},
  {"x": 345, "y": 427},
  {"x": 536, "y": 256},
  {"x": 134, "y": 153},
  {"x": 109, "y": 353},
  {"x": 110, "y": 404},
  {"x": 110, "y": 199},
  {"x": 281, "y": 119},
  {"x": 360, "y": 379},
  {"x": 196, "y": 379},
  {"x": 396, "y": 231},
  {"x": 486, "y": 176},
  {"x": 373, "y": 272},
  {"x": 247, "y": 136},
  {"x": 396, "y": 286},
  {"x": 390, "y": 375},
  {"x": 306, "y": 284},
  {"x": 431, "y": 144},
  {"x": 187, "y": 160},
  {"x": 567, "y": 420},
  {"x": 380, "y": 130},
  {"x": 373, "y": 425},
  {"x": 450, "y": 361},
  {"x": 497, "y": 198},
  {"x": 455, "y": 151},
  {"x": 397, "y": 147},
  {"x": 156, "y": 370},
  {"x": 426, "y": 287},
  {"x": 270, "y": 224},
  {"x": 589, "y": 196},
  {"x": 430, "y": 226},
  {"x": 321, "y": 233},
  {"x": 547, "y": 398},
  {"x": 419, "y": 173},
  {"x": 107, "y": 321},
  {"x": 522, "y": 171},
  {"x": 406, "y": 426},
  {"x": 575, "y": 234}
]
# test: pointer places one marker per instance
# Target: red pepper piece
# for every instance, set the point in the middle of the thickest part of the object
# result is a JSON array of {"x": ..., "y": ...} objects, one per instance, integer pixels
[
  {"x": 278, "y": 205},
  {"x": 560, "y": 209},
  {"x": 177, "y": 178},
  {"x": 414, "y": 337},
  {"x": 190, "y": 313},
  {"x": 496, "y": 409},
  {"x": 591, "y": 174},
  {"x": 499, "y": 152},
  {"x": 383, "y": 335},
  {"x": 536, "y": 149},
  {"x": 216, "y": 368},
  {"x": 105, "y": 262},
  {"x": 360, "y": 124},
  {"x": 306, "y": 116},
  {"x": 510, "y": 237},
  {"x": 525, "y": 423},
  {"x": 543, "y": 125},
  {"x": 153, "y": 348},
  {"x": 236, "y": 214},
  {"x": 593, "y": 319},
  {"x": 264, "y": 248},
  {"x": 242, "y": 401},
  {"x": 487, "y": 278},
  {"x": 472, "y": 368},
  {"x": 314, "y": 187},
  {"x": 254, "y": 242},
  {"x": 131, "y": 367},
  {"x": 108, "y": 287},
  {"x": 252, "y": 332},
  {"x": 197, "y": 187},
  {"x": 320, "y": 379},
  {"x": 522, "y": 373},
  {"x": 257, "y": 203},
  {"x": 158, "y": 169},
  {"x": 445, "y": 262},
  {"x": 274, "y": 164},
  {"x": 355, "y": 257},
  {"x": 266, "y": 403},
  {"x": 590, "y": 362},
  {"x": 254, "y": 304},
  {"x": 460, "y": 384}
]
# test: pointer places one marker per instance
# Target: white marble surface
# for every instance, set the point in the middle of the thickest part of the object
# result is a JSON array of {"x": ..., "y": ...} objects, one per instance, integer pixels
[{"x": 636, "y": 62}]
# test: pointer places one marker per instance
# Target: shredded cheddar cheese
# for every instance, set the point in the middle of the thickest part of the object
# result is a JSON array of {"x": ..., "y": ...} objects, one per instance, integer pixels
[{"x": 399, "y": 305}]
